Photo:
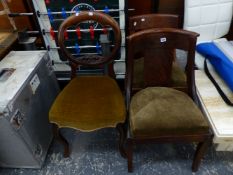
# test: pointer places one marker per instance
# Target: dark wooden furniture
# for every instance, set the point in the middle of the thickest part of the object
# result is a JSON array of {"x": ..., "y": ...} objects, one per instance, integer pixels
[
  {"x": 8, "y": 40},
  {"x": 230, "y": 34},
  {"x": 175, "y": 7},
  {"x": 149, "y": 21},
  {"x": 91, "y": 102},
  {"x": 145, "y": 7},
  {"x": 159, "y": 113},
  {"x": 21, "y": 22}
]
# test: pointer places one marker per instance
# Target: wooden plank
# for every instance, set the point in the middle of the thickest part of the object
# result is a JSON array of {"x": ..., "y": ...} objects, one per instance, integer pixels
[
  {"x": 7, "y": 40},
  {"x": 172, "y": 7},
  {"x": 21, "y": 22},
  {"x": 140, "y": 7},
  {"x": 230, "y": 33}
]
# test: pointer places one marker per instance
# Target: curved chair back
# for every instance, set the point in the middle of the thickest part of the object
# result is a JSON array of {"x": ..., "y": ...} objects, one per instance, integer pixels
[
  {"x": 158, "y": 69},
  {"x": 94, "y": 60},
  {"x": 149, "y": 21}
]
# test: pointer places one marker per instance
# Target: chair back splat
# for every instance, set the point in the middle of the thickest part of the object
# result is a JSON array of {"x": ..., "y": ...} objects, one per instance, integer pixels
[
  {"x": 89, "y": 60},
  {"x": 157, "y": 70},
  {"x": 150, "y": 21}
]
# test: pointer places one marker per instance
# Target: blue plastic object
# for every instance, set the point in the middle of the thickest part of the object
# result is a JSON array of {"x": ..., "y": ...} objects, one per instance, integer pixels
[
  {"x": 77, "y": 11},
  {"x": 50, "y": 15},
  {"x": 106, "y": 10},
  {"x": 98, "y": 48},
  {"x": 221, "y": 63},
  {"x": 63, "y": 13},
  {"x": 77, "y": 49}
]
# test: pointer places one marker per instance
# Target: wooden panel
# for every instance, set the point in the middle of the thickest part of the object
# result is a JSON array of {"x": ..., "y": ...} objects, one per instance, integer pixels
[
  {"x": 230, "y": 34},
  {"x": 7, "y": 41},
  {"x": 172, "y": 7},
  {"x": 21, "y": 22},
  {"x": 140, "y": 7}
]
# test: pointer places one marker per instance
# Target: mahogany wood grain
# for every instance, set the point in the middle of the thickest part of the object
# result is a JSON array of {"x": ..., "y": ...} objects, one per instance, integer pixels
[
  {"x": 21, "y": 22},
  {"x": 140, "y": 7},
  {"x": 152, "y": 40},
  {"x": 148, "y": 21},
  {"x": 102, "y": 19},
  {"x": 172, "y": 7}
]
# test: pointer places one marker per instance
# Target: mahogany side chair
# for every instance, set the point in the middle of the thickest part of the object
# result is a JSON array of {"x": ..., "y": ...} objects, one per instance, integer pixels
[
  {"x": 159, "y": 113},
  {"x": 89, "y": 102}
]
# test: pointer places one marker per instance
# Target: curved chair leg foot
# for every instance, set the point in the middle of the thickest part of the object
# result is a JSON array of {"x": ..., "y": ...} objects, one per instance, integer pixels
[
  {"x": 62, "y": 140},
  {"x": 121, "y": 130},
  {"x": 130, "y": 155},
  {"x": 200, "y": 151}
]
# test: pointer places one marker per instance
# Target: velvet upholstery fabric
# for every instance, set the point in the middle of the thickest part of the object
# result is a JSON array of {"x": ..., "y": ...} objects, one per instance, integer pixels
[
  {"x": 178, "y": 76},
  {"x": 88, "y": 103},
  {"x": 161, "y": 111}
]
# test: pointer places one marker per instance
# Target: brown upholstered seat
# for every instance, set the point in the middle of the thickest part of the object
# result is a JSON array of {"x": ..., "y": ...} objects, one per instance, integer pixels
[
  {"x": 152, "y": 115},
  {"x": 86, "y": 100}
]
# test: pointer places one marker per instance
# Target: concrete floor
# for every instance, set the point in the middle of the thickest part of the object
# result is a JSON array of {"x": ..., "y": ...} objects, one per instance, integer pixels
[{"x": 96, "y": 153}]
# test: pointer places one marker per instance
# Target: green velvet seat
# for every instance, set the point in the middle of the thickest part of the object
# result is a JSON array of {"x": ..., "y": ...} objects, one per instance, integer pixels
[
  {"x": 77, "y": 105},
  {"x": 161, "y": 111},
  {"x": 178, "y": 76}
]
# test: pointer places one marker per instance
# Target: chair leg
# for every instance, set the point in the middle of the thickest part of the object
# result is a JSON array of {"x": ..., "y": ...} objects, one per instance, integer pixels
[
  {"x": 130, "y": 155},
  {"x": 62, "y": 140},
  {"x": 200, "y": 151},
  {"x": 121, "y": 129}
]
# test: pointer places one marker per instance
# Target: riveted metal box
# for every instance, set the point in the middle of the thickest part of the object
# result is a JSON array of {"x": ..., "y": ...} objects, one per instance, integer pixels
[{"x": 28, "y": 88}]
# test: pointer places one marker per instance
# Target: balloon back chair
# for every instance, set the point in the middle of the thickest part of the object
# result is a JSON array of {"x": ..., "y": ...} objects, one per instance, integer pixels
[
  {"x": 91, "y": 102},
  {"x": 158, "y": 112},
  {"x": 149, "y": 21}
]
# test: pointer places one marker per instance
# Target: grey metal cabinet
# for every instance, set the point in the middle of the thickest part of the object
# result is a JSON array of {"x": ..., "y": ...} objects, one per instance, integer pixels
[{"x": 28, "y": 88}]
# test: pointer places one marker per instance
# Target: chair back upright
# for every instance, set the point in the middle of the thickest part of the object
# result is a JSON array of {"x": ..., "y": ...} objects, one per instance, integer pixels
[
  {"x": 157, "y": 70},
  {"x": 149, "y": 21},
  {"x": 88, "y": 60}
]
